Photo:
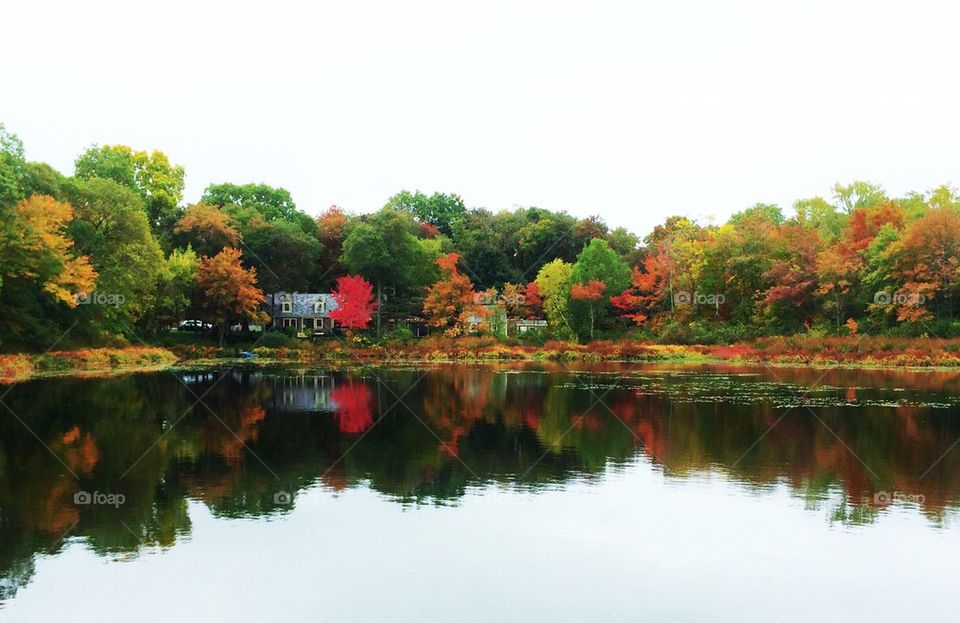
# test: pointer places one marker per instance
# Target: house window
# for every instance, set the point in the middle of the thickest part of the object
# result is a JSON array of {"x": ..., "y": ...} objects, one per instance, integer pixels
[
  {"x": 319, "y": 306},
  {"x": 286, "y": 307},
  {"x": 318, "y": 323},
  {"x": 289, "y": 322}
]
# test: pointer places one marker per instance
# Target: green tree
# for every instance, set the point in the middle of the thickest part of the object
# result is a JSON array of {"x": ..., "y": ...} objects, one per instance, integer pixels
[
  {"x": 484, "y": 254},
  {"x": 596, "y": 263},
  {"x": 150, "y": 174},
  {"x": 246, "y": 202},
  {"x": 286, "y": 257},
  {"x": 858, "y": 194},
  {"x": 176, "y": 285},
  {"x": 383, "y": 250},
  {"x": 110, "y": 225},
  {"x": 438, "y": 209},
  {"x": 821, "y": 216},
  {"x": 12, "y": 168}
]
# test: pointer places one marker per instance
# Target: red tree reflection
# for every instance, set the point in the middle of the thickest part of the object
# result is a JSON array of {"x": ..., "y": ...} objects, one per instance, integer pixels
[{"x": 354, "y": 414}]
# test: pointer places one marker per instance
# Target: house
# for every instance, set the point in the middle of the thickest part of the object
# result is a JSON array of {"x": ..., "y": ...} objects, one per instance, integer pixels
[
  {"x": 493, "y": 321},
  {"x": 306, "y": 313},
  {"x": 306, "y": 393}
]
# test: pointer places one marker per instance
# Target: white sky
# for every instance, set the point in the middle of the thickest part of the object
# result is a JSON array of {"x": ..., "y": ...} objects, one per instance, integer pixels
[{"x": 630, "y": 110}]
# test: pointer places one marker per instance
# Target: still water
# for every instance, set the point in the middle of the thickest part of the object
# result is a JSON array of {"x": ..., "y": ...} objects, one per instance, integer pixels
[{"x": 481, "y": 493}]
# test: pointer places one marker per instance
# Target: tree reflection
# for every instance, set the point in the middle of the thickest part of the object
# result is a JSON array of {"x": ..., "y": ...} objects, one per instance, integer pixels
[{"x": 232, "y": 440}]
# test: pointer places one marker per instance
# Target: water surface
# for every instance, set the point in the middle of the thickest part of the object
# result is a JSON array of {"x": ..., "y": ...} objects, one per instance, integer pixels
[{"x": 554, "y": 493}]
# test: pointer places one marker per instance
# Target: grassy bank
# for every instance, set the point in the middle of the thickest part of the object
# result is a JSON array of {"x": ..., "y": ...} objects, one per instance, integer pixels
[
  {"x": 851, "y": 351},
  {"x": 797, "y": 350},
  {"x": 84, "y": 362}
]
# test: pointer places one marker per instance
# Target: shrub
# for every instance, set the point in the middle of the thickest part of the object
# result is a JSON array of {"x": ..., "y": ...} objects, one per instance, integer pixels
[{"x": 277, "y": 339}]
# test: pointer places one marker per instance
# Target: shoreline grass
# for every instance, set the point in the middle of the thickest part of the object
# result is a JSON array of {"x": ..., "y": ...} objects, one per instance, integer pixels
[{"x": 846, "y": 352}]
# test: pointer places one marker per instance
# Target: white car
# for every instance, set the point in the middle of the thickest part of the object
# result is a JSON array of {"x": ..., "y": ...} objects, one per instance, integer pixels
[{"x": 194, "y": 325}]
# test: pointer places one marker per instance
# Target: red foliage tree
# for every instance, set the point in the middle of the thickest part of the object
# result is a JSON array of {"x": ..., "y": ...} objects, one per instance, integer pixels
[
  {"x": 355, "y": 304},
  {"x": 648, "y": 288},
  {"x": 532, "y": 301}
]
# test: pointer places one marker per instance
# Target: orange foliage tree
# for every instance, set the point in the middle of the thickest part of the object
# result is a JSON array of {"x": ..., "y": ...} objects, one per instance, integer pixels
[
  {"x": 928, "y": 265},
  {"x": 451, "y": 303},
  {"x": 45, "y": 252},
  {"x": 590, "y": 293},
  {"x": 649, "y": 288},
  {"x": 228, "y": 291},
  {"x": 207, "y": 228}
]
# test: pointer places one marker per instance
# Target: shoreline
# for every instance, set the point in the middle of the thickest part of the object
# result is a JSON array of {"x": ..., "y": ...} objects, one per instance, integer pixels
[{"x": 900, "y": 354}]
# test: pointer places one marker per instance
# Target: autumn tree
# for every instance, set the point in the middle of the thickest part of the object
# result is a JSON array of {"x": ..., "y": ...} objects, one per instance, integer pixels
[
  {"x": 532, "y": 301},
  {"x": 228, "y": 291},
  {"x": 522, "y": 301},
  {"x": 788, "y": 302},
  {"x": 553, "y": 282},
  {"x": 451, "y": 303},
  {"x": 207, "y": 229},
  {"x": 355, "y": 304},
  {"x": 841, "y": 267},
  {"x": 40, "y": 269},
  {"x": 331, "y": 232},
  {"x": 591, "y": 294},
  {"x": 45, "y": 252},
  {"x": 926, "y": 260},
  {"x": 649, "y": 291}
]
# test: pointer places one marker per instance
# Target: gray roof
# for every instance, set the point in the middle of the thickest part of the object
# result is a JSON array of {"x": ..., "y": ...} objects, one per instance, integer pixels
[{"x": 302, "y": 304}]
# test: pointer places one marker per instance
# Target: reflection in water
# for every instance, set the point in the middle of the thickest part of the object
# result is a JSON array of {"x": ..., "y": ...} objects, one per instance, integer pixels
[{"x": 845, "y": 446}]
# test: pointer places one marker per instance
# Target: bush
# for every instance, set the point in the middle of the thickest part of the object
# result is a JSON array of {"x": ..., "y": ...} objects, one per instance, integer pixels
[
  {"x": 675, "y": 333},
  {"x": 401, "y": 333},
  {"x": 534, "y": 337},
  {"x": 277, "y": 339}
]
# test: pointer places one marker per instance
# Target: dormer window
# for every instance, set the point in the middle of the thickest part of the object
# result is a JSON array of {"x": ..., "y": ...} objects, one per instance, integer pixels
[
  {"x": 286, "y": 307},
  {"x": 319, "y": 306}
]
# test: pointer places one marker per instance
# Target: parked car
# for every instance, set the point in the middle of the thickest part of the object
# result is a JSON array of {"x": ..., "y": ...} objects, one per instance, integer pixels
[
  {"x": 194, "y": 325},
  {"x": 254, "y": 328}
]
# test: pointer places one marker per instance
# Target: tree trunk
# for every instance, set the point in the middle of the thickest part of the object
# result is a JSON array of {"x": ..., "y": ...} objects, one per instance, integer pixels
[{"x": 379, "y": 304}]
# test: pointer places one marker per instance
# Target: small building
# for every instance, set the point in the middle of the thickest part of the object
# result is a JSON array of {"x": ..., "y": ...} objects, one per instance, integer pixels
[
  {"x": 523, "y": 325},
  {"x": 493, "y": 321},
  {"x": 306, "y": 313}
]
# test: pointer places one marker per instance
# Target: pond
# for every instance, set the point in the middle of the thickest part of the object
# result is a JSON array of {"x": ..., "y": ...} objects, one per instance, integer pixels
[{"x": 554, "y": 492}]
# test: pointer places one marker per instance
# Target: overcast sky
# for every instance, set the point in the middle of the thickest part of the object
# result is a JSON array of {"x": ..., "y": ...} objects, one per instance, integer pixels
[{"x": 631, "y": 110}]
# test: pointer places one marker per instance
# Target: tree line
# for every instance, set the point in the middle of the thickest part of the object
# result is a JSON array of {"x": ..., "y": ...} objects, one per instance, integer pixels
[{"x": 112, "y": 251}]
